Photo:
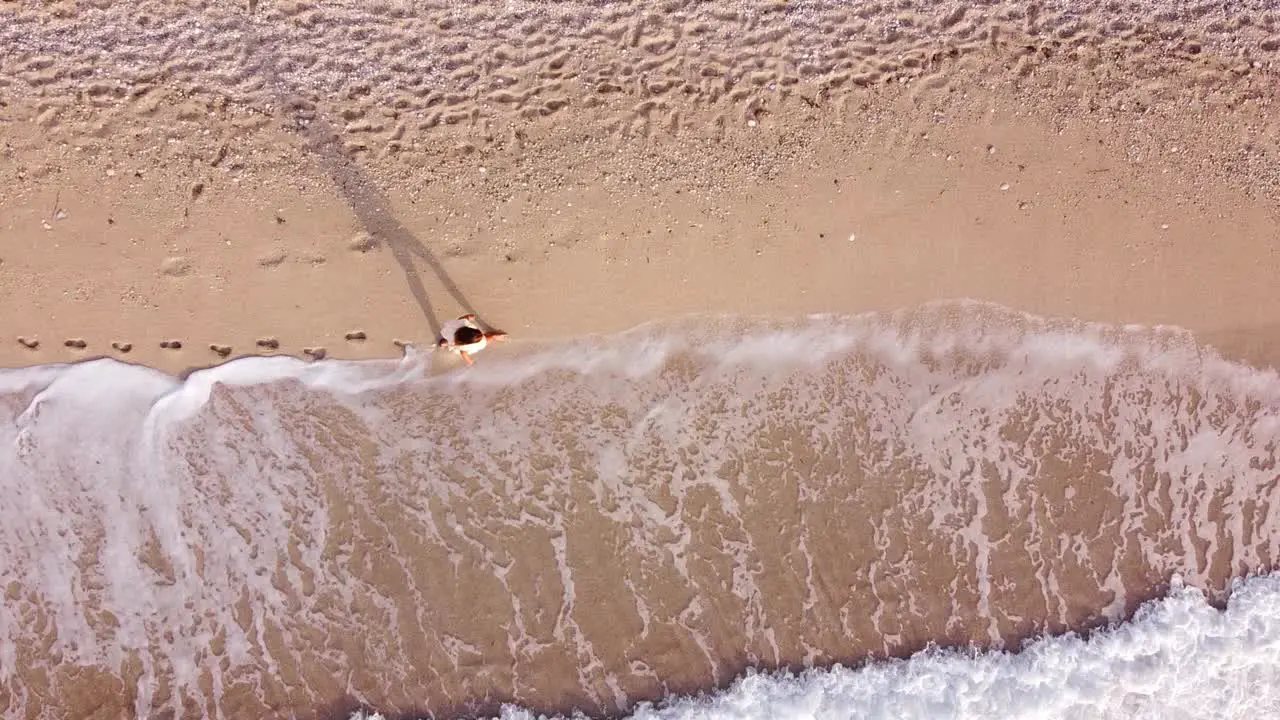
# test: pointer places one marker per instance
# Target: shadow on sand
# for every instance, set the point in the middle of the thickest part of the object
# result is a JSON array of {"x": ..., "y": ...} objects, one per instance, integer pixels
[{"x": 370, "y": 205}]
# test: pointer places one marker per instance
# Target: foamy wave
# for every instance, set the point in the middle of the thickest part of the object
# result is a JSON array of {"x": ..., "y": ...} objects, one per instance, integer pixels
[
  {"x": 587, "y": 523},
  {"x": 1179, "y": 657}
]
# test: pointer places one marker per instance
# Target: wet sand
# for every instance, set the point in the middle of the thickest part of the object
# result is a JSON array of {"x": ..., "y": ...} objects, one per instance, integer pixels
[
  {"x": 337, "y": 179},
  {"x": 616, "y": 522}
]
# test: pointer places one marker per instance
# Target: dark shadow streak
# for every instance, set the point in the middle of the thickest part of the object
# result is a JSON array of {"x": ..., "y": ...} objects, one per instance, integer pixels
[{"x": 370, "y": 205}]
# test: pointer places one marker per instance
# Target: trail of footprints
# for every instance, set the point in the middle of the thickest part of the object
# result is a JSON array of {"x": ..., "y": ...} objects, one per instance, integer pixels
[{"x": 261, "y": 345}]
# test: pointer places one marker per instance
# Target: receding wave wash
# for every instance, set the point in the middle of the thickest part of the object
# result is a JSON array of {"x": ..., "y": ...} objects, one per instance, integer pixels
[
  {"x": 612, "y": 521},
  {"x": 1179, "y": 657}
]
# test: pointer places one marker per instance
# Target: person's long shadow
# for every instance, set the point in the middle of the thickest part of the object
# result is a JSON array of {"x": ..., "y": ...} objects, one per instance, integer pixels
[{"x": 369, "y": 204}]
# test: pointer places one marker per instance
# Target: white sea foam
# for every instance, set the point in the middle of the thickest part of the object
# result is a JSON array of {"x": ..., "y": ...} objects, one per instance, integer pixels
[
  {"x": 235, "y": 522},
  {"x": 1179, "y": 658}
]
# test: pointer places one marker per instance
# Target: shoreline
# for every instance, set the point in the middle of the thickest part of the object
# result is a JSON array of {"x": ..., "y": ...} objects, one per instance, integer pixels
[
  {"x": 538, "y": 264},
  {"x": 1256, "y": 349}
]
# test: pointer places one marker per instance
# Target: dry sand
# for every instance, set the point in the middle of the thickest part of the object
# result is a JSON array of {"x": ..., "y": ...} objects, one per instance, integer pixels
[{"x": 219, "y": 174}]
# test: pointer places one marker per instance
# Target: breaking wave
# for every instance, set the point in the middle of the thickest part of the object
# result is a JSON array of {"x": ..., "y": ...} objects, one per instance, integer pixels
[{"x": 606, "y": 522}]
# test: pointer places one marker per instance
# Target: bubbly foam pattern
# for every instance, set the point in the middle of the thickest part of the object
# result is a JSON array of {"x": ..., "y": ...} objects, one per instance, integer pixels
[
  {"x": 604, "y": 522},
  {"x": 1179, "y": 657}
]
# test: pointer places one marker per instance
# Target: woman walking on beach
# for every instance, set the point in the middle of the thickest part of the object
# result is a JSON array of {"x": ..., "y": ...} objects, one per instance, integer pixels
[{"x": 466, "y": 338}]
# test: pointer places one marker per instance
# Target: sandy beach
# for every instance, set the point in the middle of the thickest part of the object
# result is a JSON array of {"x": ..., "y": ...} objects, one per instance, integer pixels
[
  {"x": 184, "y": 184},
  {"x": 280, "y": 178}
]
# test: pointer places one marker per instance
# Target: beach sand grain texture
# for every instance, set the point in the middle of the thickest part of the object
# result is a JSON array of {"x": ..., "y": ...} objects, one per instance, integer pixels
[
  {"x": 203, "y": 172},
  {"x": 182, "y": 184}
]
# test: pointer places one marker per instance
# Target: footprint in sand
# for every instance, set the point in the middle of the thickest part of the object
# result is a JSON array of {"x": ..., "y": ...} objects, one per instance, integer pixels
[
  {"x": 363, "y": 243},
  {"x": 171, "y": 344},
  {"x": 123, "y": 347},
  {"x": 176, "y": 267},
  {"x": 272, "y": 259},
  {"x": 356, "y": 335},
  {"x": 76, "y": 343},
  {"x": 220, "y": 350},
  {"x": 269, "y": 343},
  {"x": 28, "y": 343},
  {"x": 314, "y": 353}
]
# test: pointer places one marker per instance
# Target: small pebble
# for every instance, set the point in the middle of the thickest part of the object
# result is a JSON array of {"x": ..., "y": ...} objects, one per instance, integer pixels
[{"x": 1004, "y": 186}]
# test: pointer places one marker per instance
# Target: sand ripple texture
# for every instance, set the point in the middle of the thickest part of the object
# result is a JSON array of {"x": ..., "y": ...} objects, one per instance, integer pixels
[
  {"x": 408, "y": 80},
  {"x": 608, "y": 521}
]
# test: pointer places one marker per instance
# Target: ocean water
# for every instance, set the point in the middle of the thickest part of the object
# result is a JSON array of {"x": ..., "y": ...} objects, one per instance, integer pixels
[
  {"x": 1178, "y": 657},
  {"x": 620, "y": 525}
]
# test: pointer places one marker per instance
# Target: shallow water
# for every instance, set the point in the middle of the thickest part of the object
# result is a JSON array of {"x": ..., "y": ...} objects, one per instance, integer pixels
[
  {"x": 1178, "y": 658},
  {"x": 613, "y": 520}
]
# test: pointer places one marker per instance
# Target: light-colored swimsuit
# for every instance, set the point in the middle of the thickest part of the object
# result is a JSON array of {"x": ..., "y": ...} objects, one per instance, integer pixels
[{"x": 450, "y": 330}]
